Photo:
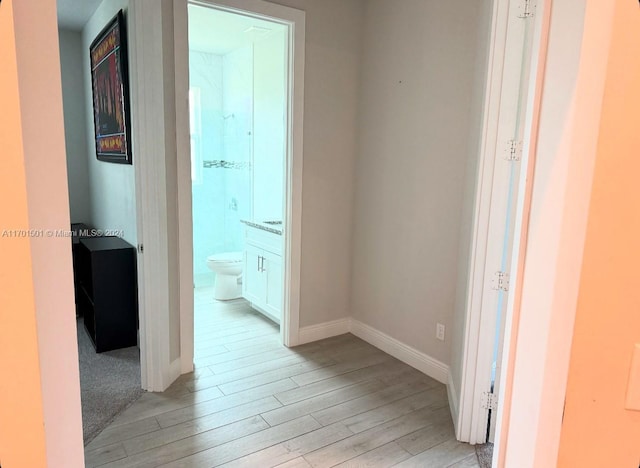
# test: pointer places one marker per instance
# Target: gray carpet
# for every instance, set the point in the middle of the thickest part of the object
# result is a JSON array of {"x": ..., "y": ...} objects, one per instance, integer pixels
[
  {"x": 109, "y": 383},
  {"x": 485, "y": 453}
]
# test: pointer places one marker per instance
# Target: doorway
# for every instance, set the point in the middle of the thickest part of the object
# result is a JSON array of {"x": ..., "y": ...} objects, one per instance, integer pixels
[
  {"x": 237, "y": 122},
  {"x": 245, "y": 87},
  {"x": 102, "y": 236}
]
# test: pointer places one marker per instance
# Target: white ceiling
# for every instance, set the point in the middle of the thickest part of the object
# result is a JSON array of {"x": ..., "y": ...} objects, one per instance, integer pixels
[
  {"x": 74, "y": 14},
  {"x": 219, "y": 32},
  {"x": 210, "y": 30}
]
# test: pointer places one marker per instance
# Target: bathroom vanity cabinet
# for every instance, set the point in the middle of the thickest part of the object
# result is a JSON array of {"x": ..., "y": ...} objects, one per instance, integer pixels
[{"x": 262, "y": 273}]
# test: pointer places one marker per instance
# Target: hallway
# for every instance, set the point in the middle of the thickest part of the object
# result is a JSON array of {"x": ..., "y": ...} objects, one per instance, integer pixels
[{"x": 254, "y": 403}]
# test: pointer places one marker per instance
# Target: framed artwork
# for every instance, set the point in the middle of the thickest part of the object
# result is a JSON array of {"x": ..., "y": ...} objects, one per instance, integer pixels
[{"x": 110, "y": 86}]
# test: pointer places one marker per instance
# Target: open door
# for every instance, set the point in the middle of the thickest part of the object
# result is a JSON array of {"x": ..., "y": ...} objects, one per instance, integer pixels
[
  {"x": 507, "y": 207},
  {"x": 499, "y": 198}
]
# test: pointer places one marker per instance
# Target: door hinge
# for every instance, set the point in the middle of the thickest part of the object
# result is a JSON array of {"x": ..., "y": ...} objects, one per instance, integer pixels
[
  {"x": 140, "y": 248},
  {"x": 526, "y": 9},
  {"x": 500, "y": 281},
  {"x": 489, "y": 400},
  {"x": 513, "y": 152}
]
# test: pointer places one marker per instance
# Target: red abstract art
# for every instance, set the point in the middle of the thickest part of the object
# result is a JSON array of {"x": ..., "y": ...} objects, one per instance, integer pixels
[{"x": 111, "y": 93}]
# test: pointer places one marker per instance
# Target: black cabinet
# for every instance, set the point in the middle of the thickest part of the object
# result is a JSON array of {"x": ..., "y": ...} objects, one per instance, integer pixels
[
  {"x": 78, "y": 231},
  {"x": 107, "y": 291}
]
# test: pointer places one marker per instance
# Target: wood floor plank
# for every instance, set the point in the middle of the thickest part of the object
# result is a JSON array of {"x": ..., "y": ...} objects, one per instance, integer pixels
[
  {"x": 223, "y": 328},
  {"x": 299, "y": 462},
  {"x": 470, "y": 462},
  {"x": 254, "y": 403},
  {"x": 439, "y": 429},
  {"x": 258, "y": 358},
  {"x": 190, "y": 428},
  {"x": 171, "y": 418},
  {"x": 153, "y": 404},
  {"x": 105, "y": 454},
  {"x": 404, "y": 373},
  {"x": 271, "y": 376},
  {"x": 208, "y": 332},
  {"x": 387, "y": 455},
  {"x": 364, "y": 358},
  {"x": 227, "y": 321},
  {"x": 371, "y": 439},
  {"x": 322, "y": 401},
  {"x": 253, "y": 342},
  {"x": 444, "y": 454},
  {"x": 249, "y": 371},
  {"x": 114, "y": 434},
  {"x": 183, "y": 390},
  {"x": 326, "y": 385},
  {"x": 224, "y": 340},
  {"x": 432, "y": 399},
  {"x": 212, "y": 359},
  {"x": 185, "y": 447},
  {"x": 209, "y": 315},
  {"x": 198, "y": 372},
  {"x": 386, "y": 395},
  {"x": 245, "y": 445},
  {"x": 292, "y": 449}
]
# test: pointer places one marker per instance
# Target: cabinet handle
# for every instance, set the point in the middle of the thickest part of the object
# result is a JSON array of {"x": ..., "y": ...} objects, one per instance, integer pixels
[{"x": 259, "y": 257}]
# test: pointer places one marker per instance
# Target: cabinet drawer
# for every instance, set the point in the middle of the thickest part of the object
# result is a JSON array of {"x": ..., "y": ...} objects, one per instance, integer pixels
[{"x": 264, "y": 239}]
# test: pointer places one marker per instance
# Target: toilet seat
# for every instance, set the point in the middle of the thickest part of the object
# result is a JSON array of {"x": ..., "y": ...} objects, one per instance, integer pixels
[{"x": 227, "y": 257}]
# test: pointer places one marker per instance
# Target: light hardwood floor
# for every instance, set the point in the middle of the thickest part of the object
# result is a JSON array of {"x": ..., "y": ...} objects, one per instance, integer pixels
[{"x": 254, "y": 403}]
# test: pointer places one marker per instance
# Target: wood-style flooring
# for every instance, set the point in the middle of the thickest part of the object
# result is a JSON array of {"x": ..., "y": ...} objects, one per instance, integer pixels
[{"x": 253, "y": 403}]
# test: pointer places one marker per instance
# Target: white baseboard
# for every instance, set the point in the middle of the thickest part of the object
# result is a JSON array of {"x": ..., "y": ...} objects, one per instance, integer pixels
[
  {"x": 417, "y": 359},
  {"x": 324, "y": 330},
  {"x": 411, "y": 356},
  {"x": 452, "y": 395}
]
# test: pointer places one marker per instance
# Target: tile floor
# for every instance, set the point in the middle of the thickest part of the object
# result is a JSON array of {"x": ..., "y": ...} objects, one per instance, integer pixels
[{"x": 254, "y": 403}]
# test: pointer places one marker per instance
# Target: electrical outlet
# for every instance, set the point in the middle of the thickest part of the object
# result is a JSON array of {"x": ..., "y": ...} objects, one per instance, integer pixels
[{"x": 440, "y": 331}]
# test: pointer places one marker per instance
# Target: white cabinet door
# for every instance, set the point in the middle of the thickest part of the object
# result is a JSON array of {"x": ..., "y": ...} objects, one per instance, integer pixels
[
  {"x": 273, "y": 284},
  {"x": 253, "y": 283}
]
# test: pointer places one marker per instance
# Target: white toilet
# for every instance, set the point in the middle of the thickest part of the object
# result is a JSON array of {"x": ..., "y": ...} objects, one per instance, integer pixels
[{"x": 228, "y": 268}]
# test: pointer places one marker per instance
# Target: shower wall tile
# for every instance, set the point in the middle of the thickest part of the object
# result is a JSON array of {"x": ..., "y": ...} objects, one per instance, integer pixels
[{"x": 223, "y": 136}]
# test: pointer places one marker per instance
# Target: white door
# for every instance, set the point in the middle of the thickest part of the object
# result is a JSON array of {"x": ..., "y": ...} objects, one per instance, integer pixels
[
  {"x": 522, "y": 48},
  {"x": 506, "y": 112},
  {"x": 517, "y": 71}
]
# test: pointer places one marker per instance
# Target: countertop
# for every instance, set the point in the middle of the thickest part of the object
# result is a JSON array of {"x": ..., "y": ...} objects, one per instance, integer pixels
[{"x": 270, "y": 226}]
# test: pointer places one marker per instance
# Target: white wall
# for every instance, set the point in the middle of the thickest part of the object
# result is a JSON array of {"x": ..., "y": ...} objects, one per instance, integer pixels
[
  {"x": 457, "y": 329},
  {"x": 75, "y": 123},
  {"x": 332, "y": 72},
  {"x": 269, "y": 107},
  {"x": 418, "y": 73},
  {"x": 111, "y": 186}
]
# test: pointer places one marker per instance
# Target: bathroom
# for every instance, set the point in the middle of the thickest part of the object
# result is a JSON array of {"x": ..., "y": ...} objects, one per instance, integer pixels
[{"x": 237, "y": 113}]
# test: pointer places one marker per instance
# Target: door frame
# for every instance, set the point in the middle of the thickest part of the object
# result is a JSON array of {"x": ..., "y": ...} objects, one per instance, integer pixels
[
  {"x": 470, "y": 417},
  {"x": 152, "y": 148},
  {"x": 295, "y": 20}
]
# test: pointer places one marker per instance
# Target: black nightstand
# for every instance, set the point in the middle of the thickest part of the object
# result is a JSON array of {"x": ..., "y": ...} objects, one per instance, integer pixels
[
  {"x": 107, "y": 295},
  {"x": 78, "y": 231}
]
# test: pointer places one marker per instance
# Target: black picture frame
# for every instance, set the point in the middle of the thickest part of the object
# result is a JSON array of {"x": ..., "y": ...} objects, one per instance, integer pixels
[{"x": 110, "y": 91}]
